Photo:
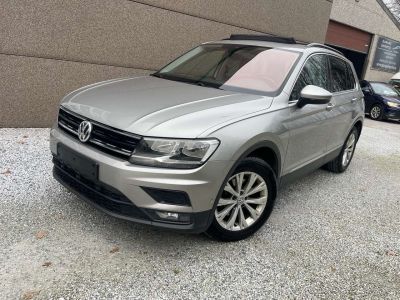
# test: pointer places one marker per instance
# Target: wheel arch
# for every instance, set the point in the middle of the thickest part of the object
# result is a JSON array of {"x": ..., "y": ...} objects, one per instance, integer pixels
[
  {"x": 260, "y": 146},
  {"x": 266, "y": 150},
  {"x": 359, "y": 125},
  {"x": 378, "y": 103}
]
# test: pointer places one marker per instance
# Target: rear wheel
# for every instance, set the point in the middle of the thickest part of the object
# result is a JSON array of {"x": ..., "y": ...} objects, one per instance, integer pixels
[
  {"x": 342, "y": 161},
  {"x": 376, "y": 112},
  {"x": 246, "y": 201}
]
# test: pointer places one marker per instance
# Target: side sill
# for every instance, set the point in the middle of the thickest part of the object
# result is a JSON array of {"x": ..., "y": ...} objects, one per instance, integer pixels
[{"x": 307, "y": 169}]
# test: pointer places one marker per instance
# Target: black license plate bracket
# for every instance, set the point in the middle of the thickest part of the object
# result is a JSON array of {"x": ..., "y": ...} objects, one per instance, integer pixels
[{"x": 79, "y": 163}]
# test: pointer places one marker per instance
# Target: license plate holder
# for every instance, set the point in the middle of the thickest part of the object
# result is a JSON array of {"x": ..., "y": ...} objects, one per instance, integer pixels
[{"x": 82, "y": 165}]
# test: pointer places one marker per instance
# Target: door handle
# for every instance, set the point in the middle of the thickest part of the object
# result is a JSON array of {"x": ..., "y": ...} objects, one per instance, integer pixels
[
  {"x": 354, "y": 100},
  {"x": 330, "y": 106}
]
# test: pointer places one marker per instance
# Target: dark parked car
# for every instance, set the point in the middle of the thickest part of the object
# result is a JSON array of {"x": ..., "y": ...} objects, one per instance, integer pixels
[{"x": 382, "y": 101}]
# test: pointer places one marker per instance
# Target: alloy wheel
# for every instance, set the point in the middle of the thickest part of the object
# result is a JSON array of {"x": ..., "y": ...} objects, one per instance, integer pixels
[
  {"x": 349, "y": 149},
  {"x": 375, "y": 112},
  {"x": 242, "y": 202}
]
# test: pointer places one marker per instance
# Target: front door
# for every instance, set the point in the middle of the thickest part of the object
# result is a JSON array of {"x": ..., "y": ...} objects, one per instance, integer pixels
[{"x": 307, "y": 126}]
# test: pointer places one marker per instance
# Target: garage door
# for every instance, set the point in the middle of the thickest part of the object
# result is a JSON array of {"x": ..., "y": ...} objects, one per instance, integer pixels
[{"x": 348, "y": 37}]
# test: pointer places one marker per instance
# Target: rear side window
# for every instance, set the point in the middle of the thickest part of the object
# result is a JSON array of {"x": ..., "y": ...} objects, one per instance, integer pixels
[
  {"x": 315, "y": 72},
  {"x": 342, "y": 75},
  {"x": 350, "y": 76}
]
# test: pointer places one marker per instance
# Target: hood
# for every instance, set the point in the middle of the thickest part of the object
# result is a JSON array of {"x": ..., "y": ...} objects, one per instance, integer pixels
[
  {"x": 392, "y": 99},
  {"x": 158, "y": 107}
]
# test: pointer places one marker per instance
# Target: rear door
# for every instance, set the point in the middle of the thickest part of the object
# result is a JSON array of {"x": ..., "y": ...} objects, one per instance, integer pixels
[{"x": 345, "y": 100}]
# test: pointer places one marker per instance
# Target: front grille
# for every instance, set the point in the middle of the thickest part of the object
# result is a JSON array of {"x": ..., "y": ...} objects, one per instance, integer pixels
[
  {"x": 98, "y": 193},
  {"x": 110, "y": 140}
]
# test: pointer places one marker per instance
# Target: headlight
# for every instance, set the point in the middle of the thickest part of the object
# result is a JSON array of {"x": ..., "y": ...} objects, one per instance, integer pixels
[
  {"x": 173, "y": 153},
  {"x": 392, "y": 104}
]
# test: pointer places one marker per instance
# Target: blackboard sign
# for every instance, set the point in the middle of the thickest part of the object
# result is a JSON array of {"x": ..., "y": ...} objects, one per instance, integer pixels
[{"x": 387, "y": 55}]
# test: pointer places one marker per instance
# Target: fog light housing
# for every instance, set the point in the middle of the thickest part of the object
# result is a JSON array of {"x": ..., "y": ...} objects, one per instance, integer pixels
[
  {"x": 170, "y": 217},
  {"x": 168, "y": 196}
]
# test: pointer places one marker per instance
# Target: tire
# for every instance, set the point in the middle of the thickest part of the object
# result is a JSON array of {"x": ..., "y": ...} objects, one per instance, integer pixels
[
  {"x": 339, "y": 164},
  {"x": 240, "y": 221},
  {"x": 376, "y": 112}
]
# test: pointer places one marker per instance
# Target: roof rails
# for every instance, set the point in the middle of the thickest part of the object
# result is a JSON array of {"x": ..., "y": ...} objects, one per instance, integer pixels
[
  {"x": 278, "y": 39},
  {"x": 266, "y": 38},
  {"x": 318, "y": 45}
]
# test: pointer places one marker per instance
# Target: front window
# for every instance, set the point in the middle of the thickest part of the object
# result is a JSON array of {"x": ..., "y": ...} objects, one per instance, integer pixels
[
  {"x": 315, "y": 72},
  {"x": 384, "y": 89},
  {"x": 242, "y": 68}
]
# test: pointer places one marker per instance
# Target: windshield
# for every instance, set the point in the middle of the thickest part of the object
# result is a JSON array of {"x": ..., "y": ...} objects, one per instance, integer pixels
[
  {"x": 242, "y": 68},
  {"x": 384, "y": 89}
]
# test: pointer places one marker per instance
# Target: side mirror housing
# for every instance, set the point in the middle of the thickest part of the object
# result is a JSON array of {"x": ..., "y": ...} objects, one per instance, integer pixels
[
  {"x": 366, "y": 90},
  {"x": 312, "y": 94}
]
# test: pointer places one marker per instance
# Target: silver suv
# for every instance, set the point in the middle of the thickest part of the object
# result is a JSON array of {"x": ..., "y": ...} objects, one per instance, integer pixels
[{"x": 204, "y": 144}]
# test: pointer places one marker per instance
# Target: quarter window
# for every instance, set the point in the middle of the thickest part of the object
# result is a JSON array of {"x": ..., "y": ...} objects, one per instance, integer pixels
[
  {"x": 350, "y": 76},
  {"x": 315, "y": 72}
]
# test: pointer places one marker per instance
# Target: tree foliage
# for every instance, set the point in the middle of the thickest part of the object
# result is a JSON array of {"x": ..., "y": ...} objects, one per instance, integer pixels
[{"x": 394, "y": 8}]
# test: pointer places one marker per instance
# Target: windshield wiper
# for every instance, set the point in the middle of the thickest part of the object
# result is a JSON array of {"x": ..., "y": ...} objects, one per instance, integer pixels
[
  {"x": 158, "y": 75},
  {"x": 174, "y": 78},
  {"x": 186, "y": 80},
  {"x": 208, "y": 84}
]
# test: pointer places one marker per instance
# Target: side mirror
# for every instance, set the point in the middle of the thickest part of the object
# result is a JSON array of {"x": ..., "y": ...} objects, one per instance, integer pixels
[
  {"x": 312, "y": 94},
  {"x": 366, "y": 90}
]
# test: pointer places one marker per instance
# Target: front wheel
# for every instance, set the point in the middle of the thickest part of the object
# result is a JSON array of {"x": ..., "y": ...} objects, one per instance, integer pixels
[
  {"x": 246, "y": 201},
  {"x": 376, "y": 112}
]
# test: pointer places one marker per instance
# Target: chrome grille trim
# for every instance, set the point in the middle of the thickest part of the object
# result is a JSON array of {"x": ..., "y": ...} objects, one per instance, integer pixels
[
  {"x": 67, "y": 128},
  {"x": 111, "y": 147},
  {"x": 116, "y": 142}
]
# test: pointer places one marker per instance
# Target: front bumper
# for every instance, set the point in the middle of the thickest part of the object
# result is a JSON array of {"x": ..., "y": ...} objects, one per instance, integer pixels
[
  {"x": 392, "y": 113},
  {"x": 119, "y": 189}
]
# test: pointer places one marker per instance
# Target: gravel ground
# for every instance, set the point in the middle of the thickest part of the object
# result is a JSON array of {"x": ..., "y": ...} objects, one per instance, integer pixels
[{"x": 330, "y": 236}]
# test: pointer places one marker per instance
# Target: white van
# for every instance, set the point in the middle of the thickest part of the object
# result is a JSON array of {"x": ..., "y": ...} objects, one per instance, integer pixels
[{"x": 395, "y": 81}]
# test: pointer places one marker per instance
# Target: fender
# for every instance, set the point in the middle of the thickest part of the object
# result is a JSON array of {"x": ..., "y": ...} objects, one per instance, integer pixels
[
  {"x": 259, "y": 145},
  {"x": 275, "y": 177}
]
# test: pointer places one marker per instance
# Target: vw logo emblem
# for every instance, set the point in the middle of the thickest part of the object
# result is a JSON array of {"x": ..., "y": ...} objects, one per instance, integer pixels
[{"x": 84, "y": 131}]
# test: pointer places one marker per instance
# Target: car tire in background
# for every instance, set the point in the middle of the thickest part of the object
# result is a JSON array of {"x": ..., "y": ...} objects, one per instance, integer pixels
[
  {"x": 376, "y": 112},
  {"x": 343, "y": 160},
  {"x": 245, "y": 201}
]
